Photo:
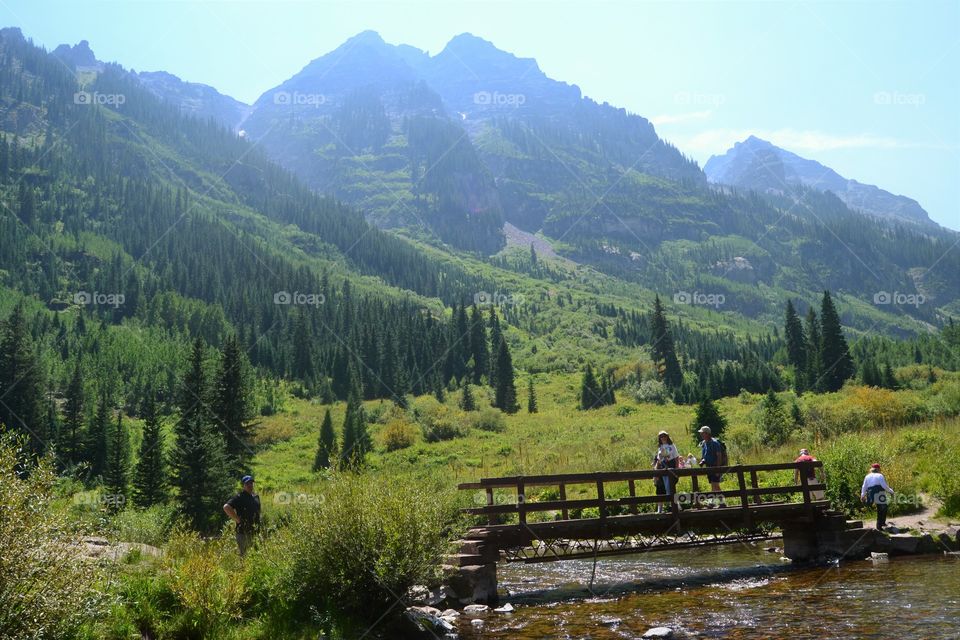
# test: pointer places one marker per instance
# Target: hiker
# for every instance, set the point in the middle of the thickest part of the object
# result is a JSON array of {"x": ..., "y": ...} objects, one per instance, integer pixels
[
  {"x": 244, "y": 509},
  {"x": 665, "y": 458},
  {"x": 668, "y": 456},
  {"x": 875, "y": 491},
  {"x": 812, "y": 478},
  {"x": 712, "y": 454}
]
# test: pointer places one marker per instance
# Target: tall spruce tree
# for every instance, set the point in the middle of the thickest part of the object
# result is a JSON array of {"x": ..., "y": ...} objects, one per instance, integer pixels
[
  {"x": 662, "y": 348},
  {"x": 796, "y": 340},
  {"x": 478, "y": 345},
  {"x": 96, "y": 447},
  {"x": 233, "y": 402},
  {"x": 22, "y": 405},
  {"x": 505, "y": 393},
  {"x": 326, "y": 443},
  {"x": 116, "y": 476},
  {"x": 356, "y": 438},
  {"x": 834, "y": 353},
  {"x": 531, "y": 393},
  {"x": 467, "y": 401},
  {"x": 591, "y": 396},
  {"x": 707, "y": 414},
  {"x": 200, "y": 463},
  {"x": 71, "y": 440},
  {"x": 150, "y": 475},
  {"x": 496, "y": 335},
  {"x": 814, "y": 362}
]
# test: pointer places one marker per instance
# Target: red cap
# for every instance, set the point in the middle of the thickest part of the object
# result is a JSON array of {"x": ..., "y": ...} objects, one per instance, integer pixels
[{"x": 875, "y": 465}]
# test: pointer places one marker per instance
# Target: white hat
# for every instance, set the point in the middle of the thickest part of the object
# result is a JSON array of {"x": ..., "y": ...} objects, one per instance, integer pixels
[{"x": 704, "y": 429}]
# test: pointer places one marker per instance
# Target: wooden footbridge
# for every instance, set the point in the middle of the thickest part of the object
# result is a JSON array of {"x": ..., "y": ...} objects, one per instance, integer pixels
[{"x": 545, "y": 518}]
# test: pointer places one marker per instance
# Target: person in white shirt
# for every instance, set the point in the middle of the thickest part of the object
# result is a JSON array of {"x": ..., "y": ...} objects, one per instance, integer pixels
[
  {"x": 876, "y": 491},
  {"x": 667, "y": 458}
]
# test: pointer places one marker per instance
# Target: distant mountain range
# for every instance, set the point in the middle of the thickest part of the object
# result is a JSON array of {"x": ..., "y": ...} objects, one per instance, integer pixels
[
  {"x": 759, "y": 165},
  {"x": 455, "y": 148}
]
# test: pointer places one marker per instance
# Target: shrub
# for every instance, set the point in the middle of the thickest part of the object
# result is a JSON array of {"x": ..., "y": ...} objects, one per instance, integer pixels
[
  {"x": 488, "y": 420},
  {"x": 46, "y": 587},
  {"x": 947, "y": 480},
  {"x": 272, "y": 432},
  {"x": 206, "y": 577},
  {"x": 439, "y": 423},
  {"x": 653, "y": 391},
  {"x": 398, "y": 434},
  {"x": 367, "y": 542},
  {"x": 772, "y": 420},
  {"x": 150, "y": 526}
]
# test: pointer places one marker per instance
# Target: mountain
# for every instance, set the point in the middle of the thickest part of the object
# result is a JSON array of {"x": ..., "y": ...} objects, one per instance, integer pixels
[
  {"x": 759, "y": 165},
  {"x": 449, "y": 148},
  {"x": 455, "y": 144},
  {"x": 199, "y": 100}
]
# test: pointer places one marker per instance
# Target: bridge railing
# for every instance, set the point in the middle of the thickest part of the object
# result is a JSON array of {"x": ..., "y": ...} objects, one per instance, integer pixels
[{"x": 748, "y": 493}]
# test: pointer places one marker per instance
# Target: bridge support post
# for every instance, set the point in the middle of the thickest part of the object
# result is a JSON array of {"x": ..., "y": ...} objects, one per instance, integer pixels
[
  {"x": 473, "y": 578},
  {"x": 826, "y": 537}
]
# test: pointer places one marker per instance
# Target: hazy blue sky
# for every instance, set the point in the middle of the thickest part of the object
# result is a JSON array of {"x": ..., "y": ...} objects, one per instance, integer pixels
[{"x": 869, "y": 88}]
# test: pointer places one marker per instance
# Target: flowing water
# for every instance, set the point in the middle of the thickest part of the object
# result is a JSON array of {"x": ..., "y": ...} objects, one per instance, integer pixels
[{"x": 736, "y": 591}]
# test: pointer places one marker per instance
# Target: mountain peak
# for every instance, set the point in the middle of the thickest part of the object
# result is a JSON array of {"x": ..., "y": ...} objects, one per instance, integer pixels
[
  {"x": 79, "y": 55},
  {"x": 368, "y": 37},
  {"x": 760, "y": 165}
]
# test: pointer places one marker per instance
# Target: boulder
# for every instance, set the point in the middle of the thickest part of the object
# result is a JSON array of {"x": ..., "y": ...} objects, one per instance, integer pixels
[
  {"x": 476, "y": 608},
  {"x": 903, "y": 543},
  {"x": 659, "y": 632},
  {"x": 425, "y": 621},
  {"x": 879, "y": 557},
  {"x": 948, "y": 542},
  {"x": 507, "y": 608}
]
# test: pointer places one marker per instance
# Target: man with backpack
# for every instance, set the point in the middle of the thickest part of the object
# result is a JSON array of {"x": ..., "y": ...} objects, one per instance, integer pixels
[{"x": 713, "y": 453}]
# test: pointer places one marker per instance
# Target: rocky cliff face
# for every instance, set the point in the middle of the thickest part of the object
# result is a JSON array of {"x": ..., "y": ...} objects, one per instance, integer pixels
[{"x": 759, "y": 165}]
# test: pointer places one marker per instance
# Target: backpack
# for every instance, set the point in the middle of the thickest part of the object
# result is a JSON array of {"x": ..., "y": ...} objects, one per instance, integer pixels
[{"x": 722, "y": 459}]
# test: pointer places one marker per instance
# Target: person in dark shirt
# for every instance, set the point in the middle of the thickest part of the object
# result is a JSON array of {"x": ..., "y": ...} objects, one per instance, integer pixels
[
  {"x": 710, "y": 453},
  {"x": 244, "y": 509}
]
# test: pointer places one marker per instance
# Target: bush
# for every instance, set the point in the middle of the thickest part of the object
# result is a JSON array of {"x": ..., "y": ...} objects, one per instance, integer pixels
[
  {"x": 366, "y": 543},
  {"x": 206, "y": 577},
  {"x": 439, "y": 423},
  {"x": 846, "y": 461},
  {"x": 488, "y": 420},
  {"x": 150, "y": 526},
  {"x": 398, "y": 434},
  {"x": 653, "y": 391},
  {"x": 46, "y": 587}
]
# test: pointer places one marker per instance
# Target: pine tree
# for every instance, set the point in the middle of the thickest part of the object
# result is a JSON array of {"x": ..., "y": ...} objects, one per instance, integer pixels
[
  {"x": 662, "y": 348},
  {"x": 496, "y": 335},
  {"x": 505, "y": 393},
  {"x": 870, "y": 375},
  {"x": 814, "y": 362},
  {"x": 531, "y": 395},
  {"x": 591, "y": 395},
  {"x": 150, "y": 475},
  {"x": 73, "y": 418},
  {"x": 302, "y": 349},
  {"x": 117, "y": 473},
  {"x": 356, "y": 438},
  {"x": 96, "y": 446},
  {"x": 233, "y": 402},
  {"x": 796, "y": 342},
  {"x": 478, "y": 345},
  {"x": 834, "y": 354},
  {"x": 708, "y": 415},
  {"x": 889, "y": 379},
  {"x": 772, "y": 420},
  {"x": 326, "y": 443},
  {"x": 467, "y": 401},
  {"x": 200, "y": 463},
  {"x": 22, "y": 404}
]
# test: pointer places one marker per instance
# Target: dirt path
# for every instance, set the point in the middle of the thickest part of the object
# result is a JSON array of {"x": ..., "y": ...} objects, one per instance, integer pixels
[{"x": 925, "y": 520}]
